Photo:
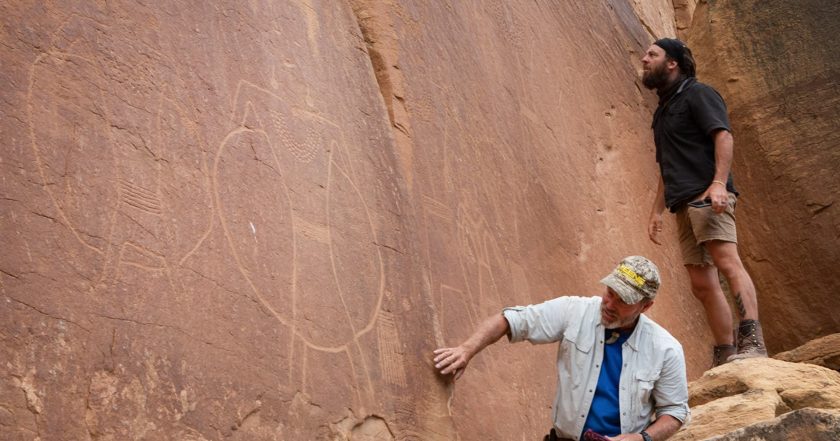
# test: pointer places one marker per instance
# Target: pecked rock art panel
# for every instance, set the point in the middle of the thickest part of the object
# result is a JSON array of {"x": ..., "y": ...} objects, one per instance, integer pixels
[
  {"x": 118, "y": 176},
  {"x": 213, "y": 228},
  {"x": 217, "y": 223},
  {"x": 295, "y": 219},
  {"x": 297, "y": 259}
]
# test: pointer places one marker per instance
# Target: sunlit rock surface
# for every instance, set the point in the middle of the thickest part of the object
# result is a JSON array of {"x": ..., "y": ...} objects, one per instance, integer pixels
[{"x": 764, "y": 395}]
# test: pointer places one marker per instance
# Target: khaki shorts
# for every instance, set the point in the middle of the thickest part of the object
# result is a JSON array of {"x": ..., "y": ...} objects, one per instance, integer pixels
[{"x": 698, "y": 225}]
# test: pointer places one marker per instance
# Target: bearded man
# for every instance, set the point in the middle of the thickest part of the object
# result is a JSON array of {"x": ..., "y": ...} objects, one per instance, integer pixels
[
  {"x": 616, "y": 368},
  {"x": 694, "y": 148}
]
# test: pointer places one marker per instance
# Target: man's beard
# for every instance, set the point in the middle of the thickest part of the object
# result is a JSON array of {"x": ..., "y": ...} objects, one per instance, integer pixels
[
  {"x": 617, "y": 322},
  {"x": 655, "y": 78}
]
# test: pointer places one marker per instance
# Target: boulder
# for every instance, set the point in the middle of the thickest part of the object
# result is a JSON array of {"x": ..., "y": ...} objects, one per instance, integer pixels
[
  {"x": 823, "y": 351},
  {"x": 755, "y": 392},
  {"x": 804, "y": 424}
]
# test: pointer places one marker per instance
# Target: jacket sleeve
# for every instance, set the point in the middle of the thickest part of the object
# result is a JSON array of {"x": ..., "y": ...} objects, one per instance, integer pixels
[
  {"x": 671, "y": 390},
  {"x": 542, "y": 323}
]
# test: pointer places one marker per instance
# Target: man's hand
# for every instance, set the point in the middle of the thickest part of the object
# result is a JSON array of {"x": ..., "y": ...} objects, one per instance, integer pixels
[
  {"x": 655, "y": 227},
  {"x": 452, "y": 360},
  {"x": 455, "y": 360},
  {"x": 719, "y": 196}
]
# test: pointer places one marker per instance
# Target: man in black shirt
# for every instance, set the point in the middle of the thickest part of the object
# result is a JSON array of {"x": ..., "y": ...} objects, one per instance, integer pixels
[{"x": 694, "y": 151}]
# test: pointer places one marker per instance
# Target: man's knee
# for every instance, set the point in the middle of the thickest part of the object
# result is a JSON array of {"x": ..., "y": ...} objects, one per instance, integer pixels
[
  {"x": 725, "y": 256},
  {"x": 702, "y": 292},
  {"x": 704, "y": 282}
]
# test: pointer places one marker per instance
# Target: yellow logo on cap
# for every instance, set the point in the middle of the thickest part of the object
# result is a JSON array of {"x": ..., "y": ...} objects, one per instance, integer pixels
[{"x": 631, "y": 275}]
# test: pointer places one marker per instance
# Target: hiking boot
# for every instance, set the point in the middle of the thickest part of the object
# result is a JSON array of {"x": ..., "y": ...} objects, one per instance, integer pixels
[
  {"x": 721, "y": 354},
  {"x": 750, "y": 341}
]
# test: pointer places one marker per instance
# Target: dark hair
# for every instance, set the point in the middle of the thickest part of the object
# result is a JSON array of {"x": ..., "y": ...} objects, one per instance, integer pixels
[{"x": 679, "y": 52}]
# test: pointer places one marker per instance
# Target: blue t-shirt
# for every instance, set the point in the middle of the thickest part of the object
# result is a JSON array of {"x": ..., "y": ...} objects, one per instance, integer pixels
[{"x": 604, "y": 416}]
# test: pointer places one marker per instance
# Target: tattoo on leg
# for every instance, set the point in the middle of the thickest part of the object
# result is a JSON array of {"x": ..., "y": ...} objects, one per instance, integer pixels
[{"x": 741, "y": 310}]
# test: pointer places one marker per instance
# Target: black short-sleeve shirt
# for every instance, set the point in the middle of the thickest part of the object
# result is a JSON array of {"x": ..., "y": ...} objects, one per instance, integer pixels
[{"x": 683, "y": 127}]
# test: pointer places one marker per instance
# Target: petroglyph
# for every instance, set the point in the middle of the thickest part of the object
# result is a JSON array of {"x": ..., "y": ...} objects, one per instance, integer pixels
[
  {"x": 317, "y": 189},
  {"x": 463, "y": 293},
  {"x": 270, "y": 217},
  {"x": 437, "y": 208},
  {"x": 138, "y": 197},
  {"x": 390, "y": 351},
  {"x": 313, "y": 232},
  {"x": 281, "y": 178},
  {"x": 102, "y": 161},
  {"x": 136, "y": 255},
  {"x": 303, "y": 151}
]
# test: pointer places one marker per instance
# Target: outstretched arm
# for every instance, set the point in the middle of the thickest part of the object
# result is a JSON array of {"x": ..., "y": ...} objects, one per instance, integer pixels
[{"x": 455, "y": 360}]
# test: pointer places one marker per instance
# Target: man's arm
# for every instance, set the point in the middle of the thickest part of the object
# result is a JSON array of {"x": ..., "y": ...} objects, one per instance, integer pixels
[
  {"x": 724, "y": 146},
  {"x": 455, "y": 360},
  {"x": 663, "y": 428},
  {"x": 655, "y": 223}
]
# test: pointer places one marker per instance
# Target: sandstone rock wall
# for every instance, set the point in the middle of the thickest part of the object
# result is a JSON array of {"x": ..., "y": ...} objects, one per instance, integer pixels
[
  {"x": 775, "y": 63},
  {"x": 683, "y": 16},
  {"x": 199, "y": 221},
  {"x": 255, "y": 220}
]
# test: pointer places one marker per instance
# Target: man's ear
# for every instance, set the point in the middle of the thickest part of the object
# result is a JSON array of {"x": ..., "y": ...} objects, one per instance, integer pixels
[
  {"x": 647, "y": 306},
  {"x": 671, "y": 63}
]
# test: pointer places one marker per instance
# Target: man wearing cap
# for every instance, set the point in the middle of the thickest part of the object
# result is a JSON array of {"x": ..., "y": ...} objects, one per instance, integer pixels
[
  {"x": 616, "y": 368},
  {"x": 694, "y": 151}
]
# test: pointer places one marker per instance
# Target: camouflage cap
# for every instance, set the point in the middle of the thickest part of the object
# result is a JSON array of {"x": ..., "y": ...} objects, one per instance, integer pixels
[{"x": 634, "y": 279}]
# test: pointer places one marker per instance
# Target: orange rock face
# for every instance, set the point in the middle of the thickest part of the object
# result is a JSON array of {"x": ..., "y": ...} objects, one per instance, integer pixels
[
  {"x": 256, "y": 220},
  {"x": 775, "y": 65}
]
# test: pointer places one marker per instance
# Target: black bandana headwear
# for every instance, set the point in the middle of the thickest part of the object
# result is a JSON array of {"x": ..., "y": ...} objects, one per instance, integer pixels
[{"x": 679, "y": 52}]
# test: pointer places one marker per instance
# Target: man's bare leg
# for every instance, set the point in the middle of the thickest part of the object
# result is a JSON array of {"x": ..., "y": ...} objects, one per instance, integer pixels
[
  {"x": 725, "y": 256},
  {"x": 705, "y": 286},
  {"x": 750, "y": 335}
]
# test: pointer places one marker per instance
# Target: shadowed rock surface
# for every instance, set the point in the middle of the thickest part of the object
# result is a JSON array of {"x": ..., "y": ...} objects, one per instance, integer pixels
[
  {"x": 255, "y": 221},
  {"x": 775, "y": 62}
]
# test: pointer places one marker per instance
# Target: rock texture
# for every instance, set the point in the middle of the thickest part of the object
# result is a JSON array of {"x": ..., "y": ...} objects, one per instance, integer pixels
[
  {"x": 683, "y": 16},
  {"x": 823, "y": 351},
  {"x": 199, "y": 219},
  {"x": 256, "y": 220},
  {"x": 810, "y": 424},
  {"x": 764, "y": 395},
  {"x": 776, "y": 65},
  {"x": 657, "y": 16}
]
